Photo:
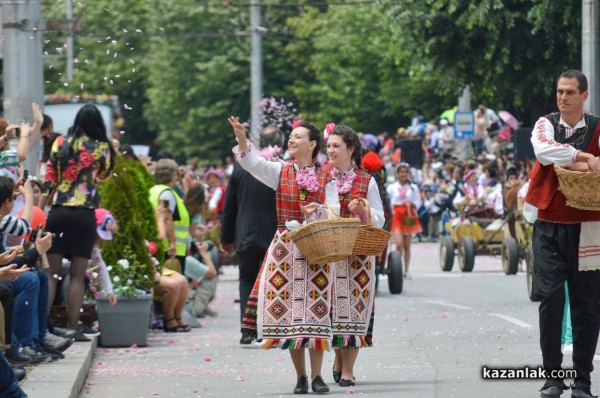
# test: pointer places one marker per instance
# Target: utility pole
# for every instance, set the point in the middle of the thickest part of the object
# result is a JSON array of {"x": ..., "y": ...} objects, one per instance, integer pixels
[
  {"x": 255, "y": 69},
  {"x": 23, "y": 69},
  {"x": 70, "y": 42},
  {"x": 589, "y": 54}
]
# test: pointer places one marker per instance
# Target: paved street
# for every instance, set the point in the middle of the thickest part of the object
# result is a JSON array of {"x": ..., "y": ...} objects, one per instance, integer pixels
[{"x": 431, "y": 341}]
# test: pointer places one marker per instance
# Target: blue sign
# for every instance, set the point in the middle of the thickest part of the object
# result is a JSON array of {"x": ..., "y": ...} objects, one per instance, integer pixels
[{"x": 464, "y": 125}]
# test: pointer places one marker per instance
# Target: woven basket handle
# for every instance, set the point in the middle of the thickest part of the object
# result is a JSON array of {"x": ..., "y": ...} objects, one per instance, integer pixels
[
  {"x": 368, "y": 209},
  {"x": 331, "y": 214}
]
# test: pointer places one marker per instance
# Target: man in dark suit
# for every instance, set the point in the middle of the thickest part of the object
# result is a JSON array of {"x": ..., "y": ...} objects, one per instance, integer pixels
[{"x": 250, "y": 219}]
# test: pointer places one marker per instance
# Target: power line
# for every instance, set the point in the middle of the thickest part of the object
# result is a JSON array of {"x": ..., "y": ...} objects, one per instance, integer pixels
[{"x": 314, "y": 4}]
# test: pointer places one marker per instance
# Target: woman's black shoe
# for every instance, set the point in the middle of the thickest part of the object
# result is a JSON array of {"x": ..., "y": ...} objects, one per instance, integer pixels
[
  {"x": 346, "y": 383},
  {"x": 319, "y": 386},
  {"x": 337, "y": 374},
  {"x": 301, "y": 386}
]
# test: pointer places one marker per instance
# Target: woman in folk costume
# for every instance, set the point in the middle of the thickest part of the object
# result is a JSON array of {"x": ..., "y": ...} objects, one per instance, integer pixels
[
  {"x": 294, "y": 297},
  {"x": 405, "y": 199},
  {"x": 472, "y": 196},
  {"x": 353, "y": 289}
]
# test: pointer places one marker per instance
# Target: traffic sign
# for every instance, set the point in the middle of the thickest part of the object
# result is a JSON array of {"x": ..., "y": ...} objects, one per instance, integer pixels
[{"x": 464, "y": 125}]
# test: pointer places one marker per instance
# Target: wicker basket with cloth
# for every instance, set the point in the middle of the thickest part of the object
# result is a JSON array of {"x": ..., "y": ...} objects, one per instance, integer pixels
[
  {"x": 327, "y": 240},
  {"x": 370, "y": 241}
]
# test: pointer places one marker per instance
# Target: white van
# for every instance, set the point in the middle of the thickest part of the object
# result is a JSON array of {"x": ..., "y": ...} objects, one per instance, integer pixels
[{"x": 63, "y": 116}]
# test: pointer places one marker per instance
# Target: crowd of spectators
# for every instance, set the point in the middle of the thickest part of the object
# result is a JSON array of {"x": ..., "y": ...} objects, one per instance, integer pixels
[{"x": 451, "y": 176}]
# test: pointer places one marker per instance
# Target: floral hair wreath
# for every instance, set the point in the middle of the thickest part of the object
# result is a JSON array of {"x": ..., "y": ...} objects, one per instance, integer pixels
[
  {"x": 296, "y": 123},
  {"x": 328, "y": 130}
]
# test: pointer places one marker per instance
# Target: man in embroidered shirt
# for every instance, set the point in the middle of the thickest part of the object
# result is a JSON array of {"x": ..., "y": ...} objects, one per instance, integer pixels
[{"x": 570, "y": 139}]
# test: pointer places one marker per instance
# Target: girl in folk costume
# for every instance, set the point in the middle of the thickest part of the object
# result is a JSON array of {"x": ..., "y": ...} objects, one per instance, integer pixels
[
  {"x": 353, "y": 289},
  {"x": 294, "y": 297},
  {"x": 405, "y": 198},
  {"x": 472, "y": 195}
]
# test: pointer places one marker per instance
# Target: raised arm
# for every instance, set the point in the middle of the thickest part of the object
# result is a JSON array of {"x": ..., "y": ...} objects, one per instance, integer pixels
[{"x": 263, "y": 170}]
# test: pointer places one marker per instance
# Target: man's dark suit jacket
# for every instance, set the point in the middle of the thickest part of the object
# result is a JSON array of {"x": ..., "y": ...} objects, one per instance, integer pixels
[{"x": 249, "y": 214}]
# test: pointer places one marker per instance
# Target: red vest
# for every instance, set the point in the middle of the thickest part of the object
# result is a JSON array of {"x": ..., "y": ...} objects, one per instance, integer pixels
[
  {"x": 288, "y": 204},
  {"x": 359, "y": 189},
  {"x": 543, "y": 191},
  {"x": 219, "y": 208}
]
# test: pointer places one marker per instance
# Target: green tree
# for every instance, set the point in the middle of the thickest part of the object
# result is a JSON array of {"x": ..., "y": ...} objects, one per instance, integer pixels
[
  {"x": 109, "y": 57},
  {"x": 120, "y": 195}
]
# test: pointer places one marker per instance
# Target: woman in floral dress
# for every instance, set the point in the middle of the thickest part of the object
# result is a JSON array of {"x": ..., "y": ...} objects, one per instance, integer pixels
[
  {"x": 294, "y": 296},
  {"x": 405, "y": 198},
  {"x": 353, "y": 290},
  {"x": 76, "y": 163}
]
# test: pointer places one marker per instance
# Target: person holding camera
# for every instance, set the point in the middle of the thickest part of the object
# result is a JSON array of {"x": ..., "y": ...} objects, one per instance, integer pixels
[
  {"x": 75, "y": 165},
  {"x": 30, "y": 317}
]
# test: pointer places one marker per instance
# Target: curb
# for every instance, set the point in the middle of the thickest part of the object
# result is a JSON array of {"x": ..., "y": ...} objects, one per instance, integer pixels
[{"x": 64, "y": 378}]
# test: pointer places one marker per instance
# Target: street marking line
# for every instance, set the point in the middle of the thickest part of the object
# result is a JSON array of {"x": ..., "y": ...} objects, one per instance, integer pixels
[
  {"x": 460, "y": 307},
  {"x": 511, "y": 319}
]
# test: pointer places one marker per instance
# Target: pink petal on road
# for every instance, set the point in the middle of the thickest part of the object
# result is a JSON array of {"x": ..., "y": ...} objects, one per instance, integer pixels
[
  {"x": 207, "y": 359},
  {"x": 240, "y": 378},
  {"x": 405, "y": 318},
  {"x": 444, "y": 315}
]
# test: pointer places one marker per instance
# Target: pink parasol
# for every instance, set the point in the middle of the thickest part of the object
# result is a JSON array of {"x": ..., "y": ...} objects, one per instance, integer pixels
[{"x": 509, "y": 119}]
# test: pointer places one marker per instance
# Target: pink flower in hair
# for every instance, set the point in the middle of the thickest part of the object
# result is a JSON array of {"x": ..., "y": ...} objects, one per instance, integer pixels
[
  {"x": 296, "y": 123},
  {"x": 328, "y": 130}
]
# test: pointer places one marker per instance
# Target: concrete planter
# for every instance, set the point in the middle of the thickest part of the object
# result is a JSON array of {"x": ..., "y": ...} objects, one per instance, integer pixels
[{"x": 126, "y": 323}]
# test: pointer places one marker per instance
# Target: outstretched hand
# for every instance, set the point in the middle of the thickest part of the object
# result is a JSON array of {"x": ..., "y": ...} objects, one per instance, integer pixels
[{"x": 240, "y": 132}]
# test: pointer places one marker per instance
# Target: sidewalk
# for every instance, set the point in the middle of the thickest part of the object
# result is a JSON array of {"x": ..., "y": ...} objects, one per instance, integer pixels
[{"x": 64, "y": 378}]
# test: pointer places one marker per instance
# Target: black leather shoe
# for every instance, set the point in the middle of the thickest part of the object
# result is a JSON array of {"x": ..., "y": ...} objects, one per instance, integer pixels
[
  {"x": 63, "y": 332},
  {"x": 247, "y": 338},
  {"x": 20, "y": 374},
  {"x": 337, "y": 374},
  {"x": 553, "y": 389},
  {"x": 301, "y": 386},
  {"x": 581, "y": 391},
  {"x": 319, "y": 386},
  {"x": 346, "y": 383}
]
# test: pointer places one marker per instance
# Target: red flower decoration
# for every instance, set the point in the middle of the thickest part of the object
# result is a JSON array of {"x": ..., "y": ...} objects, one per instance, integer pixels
[
  {"x": 296, "y": 123},
  {"x": 51, "y": 174},
  {"x": 329, "y": 128},
  {"x": 372, "y": 162},
  {"x": 85, "y": 159},
  {"x": 70, "y": 173},
  {"x": 152, "y": 247}
]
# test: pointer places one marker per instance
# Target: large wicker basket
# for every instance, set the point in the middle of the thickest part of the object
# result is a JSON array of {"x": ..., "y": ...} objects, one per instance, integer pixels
[
  {"x": 328, "y": 240},
  {"x": 581, "y": 189},
  {"x": 370, "y": 241}
]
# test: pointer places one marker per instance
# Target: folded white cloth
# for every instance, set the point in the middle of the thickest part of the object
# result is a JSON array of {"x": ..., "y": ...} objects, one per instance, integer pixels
[{"x": 589, "y": 246}]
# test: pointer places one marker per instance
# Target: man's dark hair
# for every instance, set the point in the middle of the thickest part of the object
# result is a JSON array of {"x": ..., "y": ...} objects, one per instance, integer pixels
[
  {"x": 582, "y": 81},
  {"x": 512, "y": 171},
  {"x": 272, "y": 136},
  {"x": 164, "y": 155},
  {"x": 7, "y": 186},
  {"x": 47, "y": 122}
]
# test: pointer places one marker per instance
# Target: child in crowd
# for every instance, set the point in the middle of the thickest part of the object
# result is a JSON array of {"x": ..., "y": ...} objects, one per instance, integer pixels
[{"x": 105, "y": 225}]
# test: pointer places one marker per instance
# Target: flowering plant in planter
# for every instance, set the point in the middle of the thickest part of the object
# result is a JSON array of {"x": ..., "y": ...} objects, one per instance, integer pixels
[{"x": 125, "y": 195}]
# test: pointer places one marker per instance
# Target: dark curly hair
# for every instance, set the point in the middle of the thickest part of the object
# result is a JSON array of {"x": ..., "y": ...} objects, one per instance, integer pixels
[
  {"x": 313, "y": 135},
  {"x": 350, "y": 138}
]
